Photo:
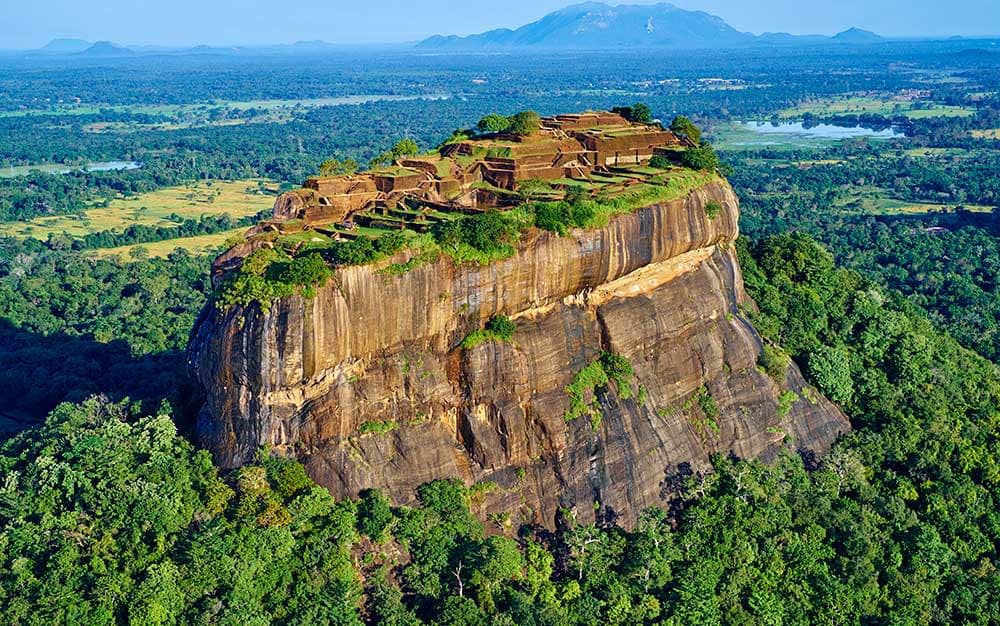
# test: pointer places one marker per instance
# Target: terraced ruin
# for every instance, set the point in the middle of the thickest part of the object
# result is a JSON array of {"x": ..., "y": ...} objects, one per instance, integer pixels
[{"x": 597, "y": 155}]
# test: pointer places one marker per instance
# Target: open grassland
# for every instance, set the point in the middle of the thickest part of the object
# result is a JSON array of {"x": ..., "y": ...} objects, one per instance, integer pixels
[
  {"x": 938, "y": 153},
  {"x": 164, "y": 207},
  {"x": 914, "y": 109},
  {"x": 876, "y": 201},
  {"x": 992, "y": 133},
  {"x": 195, "y": 245}
]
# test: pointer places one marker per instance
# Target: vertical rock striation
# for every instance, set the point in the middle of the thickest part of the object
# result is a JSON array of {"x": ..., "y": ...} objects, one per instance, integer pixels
[{"x": 367, "y": 386}]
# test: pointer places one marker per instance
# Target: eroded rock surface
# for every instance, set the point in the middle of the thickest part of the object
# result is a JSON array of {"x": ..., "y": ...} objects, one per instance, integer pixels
[{"x": 661, "y": 287}]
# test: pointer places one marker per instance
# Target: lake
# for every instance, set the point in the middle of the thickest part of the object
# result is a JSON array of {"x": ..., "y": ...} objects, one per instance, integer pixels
[
  {"x": 821, "y": 131},
  {"x": 790, "y": 135},
  {"x": 59, "y": 168}
]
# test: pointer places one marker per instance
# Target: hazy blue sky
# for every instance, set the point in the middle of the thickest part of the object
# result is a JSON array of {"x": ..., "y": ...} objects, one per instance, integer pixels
[{"x": 31, "y": 23}]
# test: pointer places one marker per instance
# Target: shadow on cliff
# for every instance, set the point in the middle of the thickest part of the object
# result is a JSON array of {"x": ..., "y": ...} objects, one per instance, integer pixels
[{"x": 38, "y": 372}]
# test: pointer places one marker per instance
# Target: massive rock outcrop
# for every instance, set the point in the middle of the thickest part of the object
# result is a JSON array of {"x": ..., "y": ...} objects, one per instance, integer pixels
[{"x": 367, "y": 385}]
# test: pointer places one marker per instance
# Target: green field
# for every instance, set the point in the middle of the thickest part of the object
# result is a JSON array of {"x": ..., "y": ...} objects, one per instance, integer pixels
[
  {"x": 914, "y": 109},
  {"x": 937, "y": 152},
  {"x": 876, "y": 201},
  {"x": 238, "y": 198},
  {"x": 194, "y": 245},
  {"x": 993, "y": 133}
]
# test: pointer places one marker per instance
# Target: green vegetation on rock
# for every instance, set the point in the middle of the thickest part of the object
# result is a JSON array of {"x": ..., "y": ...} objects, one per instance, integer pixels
[
  {"x": 499, "y": 328},
  {"x": 582, "y": 391},
  {"x": 337, "y": 167},
  {"x": 258, "y": 280},
  {"x": 639, "y": 113},
  {"x": 377, "y": 428},
  {"x": 712, "y": 209},
  {"x": 686, "y": 128},
  {"x": 775, "y": 362},
  {"x": 702, "y": 157},
  {"x": 493, "y": 123},
  {"x": 480, "y": 239},
  {"x": 525, "y": 123}
]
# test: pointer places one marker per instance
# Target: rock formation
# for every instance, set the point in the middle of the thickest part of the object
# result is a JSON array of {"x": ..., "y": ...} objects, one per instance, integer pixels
[{"x": 367, "y": 384}]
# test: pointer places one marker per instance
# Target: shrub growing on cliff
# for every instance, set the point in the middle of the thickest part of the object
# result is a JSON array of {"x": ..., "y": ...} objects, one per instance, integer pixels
[
  {"x": 712, "y": 209},
  {"x": 686, "y": 128},
  {"x": 596, "y": 375},
  {"x": 479, "y": 238},
  {"x": 356, "y": 251},
  {"x": 702, "y": 157},
  {"x": 556, "y": 217},
  {"x": 378, "y": 427},
  {"x": 660, "y": 162},
  {"x": 707, "y": 403},
  {"x": 258, "y": 280},
  {"x": 774, "y": 362},
  {"x": 309, "y": 271},
  {"x": 499, "y": 328},
  {"x": 390, "y": 243},
  {"x": 363, "y": 250}
]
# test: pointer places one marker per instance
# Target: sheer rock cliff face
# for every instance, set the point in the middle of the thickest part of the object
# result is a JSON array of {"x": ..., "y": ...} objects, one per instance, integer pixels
[{"x": 660, "y": 287}]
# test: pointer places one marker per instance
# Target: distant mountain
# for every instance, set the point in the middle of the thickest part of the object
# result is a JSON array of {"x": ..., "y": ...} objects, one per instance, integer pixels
[
  {"x": 596, "y": 25},
  {"x": 317, "y": 44},
  {"x": 857, "y": 36},
  {"x": 789, "y": 39},
  {"x": 106, "y": 49},
  {"x": 64, "y": 46}
]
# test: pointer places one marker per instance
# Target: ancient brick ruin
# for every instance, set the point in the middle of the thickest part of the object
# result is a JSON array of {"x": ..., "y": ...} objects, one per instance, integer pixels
[{"x": 480, "y": 173}]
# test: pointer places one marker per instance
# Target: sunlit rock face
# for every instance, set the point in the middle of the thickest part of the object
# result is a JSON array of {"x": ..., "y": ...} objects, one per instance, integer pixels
[{"x": 367, "y": 386}]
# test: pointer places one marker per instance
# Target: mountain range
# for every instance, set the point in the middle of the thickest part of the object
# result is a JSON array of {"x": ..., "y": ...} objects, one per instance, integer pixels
[
  {"x": 590, "y": 25},
  {"x": 596, "y": 25}
]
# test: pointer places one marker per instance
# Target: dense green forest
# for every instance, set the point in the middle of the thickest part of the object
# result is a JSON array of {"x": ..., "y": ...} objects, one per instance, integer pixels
[
  {"x": 109, "y": 517},
  {"x": 72, "y": 326},
  {"x": 946, "y": 261}
]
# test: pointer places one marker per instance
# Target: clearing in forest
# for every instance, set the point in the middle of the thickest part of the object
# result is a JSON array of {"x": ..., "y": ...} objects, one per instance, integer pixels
[
  {"x": 886, "y": 106},
  {"x": 201, "y": 244},
  {"x": 164, "y": 207}
]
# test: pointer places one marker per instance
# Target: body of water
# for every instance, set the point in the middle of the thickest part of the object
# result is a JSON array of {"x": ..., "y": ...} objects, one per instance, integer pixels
[
  {"x": 820, "y": 131},
  {"x": 57, "y": 168},
  {"x": 790, "y": 135}
]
